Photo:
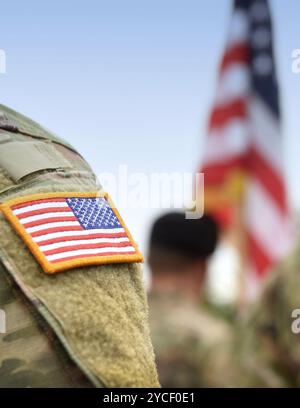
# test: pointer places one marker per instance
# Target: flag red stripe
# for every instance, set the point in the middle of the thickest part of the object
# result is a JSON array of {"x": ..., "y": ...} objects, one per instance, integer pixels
[
  {"x": 268, "y": 177},
  {"x": 238, "y": 53},
  {"x": 257, "y": 166},
  {"x": 86, "y": 246},
  {"x": 216, "y": 173},
  {"x": 48, "y": 220},
  {"x": 222, "y": 114},
  {"x": 78, "y": 237},
  {"x": 262, "y": 262}
]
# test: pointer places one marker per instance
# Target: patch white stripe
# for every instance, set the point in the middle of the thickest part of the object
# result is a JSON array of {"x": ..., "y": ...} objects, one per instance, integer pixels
[
  {"x": 89, "y": 252},
  {"x": 227, "y": 142},
  {"x": 83, "y": 242},
  {"x": 271, "y": 228},
  {"x": 45, "y": 216},
  {"x": 82, "y": 233},
  {"x": 53, "y": 225},
  {"x": 58, "y": 204}
]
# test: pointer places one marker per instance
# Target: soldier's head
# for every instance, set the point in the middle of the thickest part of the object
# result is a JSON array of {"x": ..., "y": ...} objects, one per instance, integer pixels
[{"x": 178, "y": 252}]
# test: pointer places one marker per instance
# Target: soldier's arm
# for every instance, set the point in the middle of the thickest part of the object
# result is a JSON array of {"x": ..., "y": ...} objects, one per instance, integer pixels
[{"x": 95, "y": 306}]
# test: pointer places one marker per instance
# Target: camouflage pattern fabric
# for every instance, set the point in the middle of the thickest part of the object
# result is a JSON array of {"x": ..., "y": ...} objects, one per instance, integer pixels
[
  {"x": 30, "y": 354},
  {"x": 269, "y": 350},
  {"x": 192, "y": 347}
]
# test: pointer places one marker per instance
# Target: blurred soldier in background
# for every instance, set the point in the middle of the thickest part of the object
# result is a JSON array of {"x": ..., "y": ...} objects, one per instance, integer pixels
[
  {"x": 269, "y": 338},
  {"x": 191, "y": 345},
  {"x": 86, "y": 325}
]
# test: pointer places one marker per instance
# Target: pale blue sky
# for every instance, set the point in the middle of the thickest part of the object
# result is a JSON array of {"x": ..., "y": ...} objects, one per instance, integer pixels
[{"x": 131, "y": 81}]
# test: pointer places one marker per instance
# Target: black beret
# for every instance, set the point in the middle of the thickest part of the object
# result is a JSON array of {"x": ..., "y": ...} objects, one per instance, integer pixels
[{"x": 192, "y": 237}]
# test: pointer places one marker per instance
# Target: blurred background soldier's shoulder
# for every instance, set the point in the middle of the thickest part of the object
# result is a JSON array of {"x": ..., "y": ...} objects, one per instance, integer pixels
[
  {"x": 191, "y": 344},
  {"x": 270, "y": 352}
]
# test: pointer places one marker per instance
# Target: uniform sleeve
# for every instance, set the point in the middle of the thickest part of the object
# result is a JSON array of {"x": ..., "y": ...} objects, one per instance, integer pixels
[{"x": 97, "y": 311}]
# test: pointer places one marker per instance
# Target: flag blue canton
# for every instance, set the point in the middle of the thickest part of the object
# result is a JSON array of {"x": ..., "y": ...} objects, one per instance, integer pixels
[
  {"x": 94, "y": 213},
  {"x": 262, "y": 66}
]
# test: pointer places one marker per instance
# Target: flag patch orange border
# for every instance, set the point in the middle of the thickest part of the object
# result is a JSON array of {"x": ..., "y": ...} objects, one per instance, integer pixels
[{"x": 62, "y": 230}]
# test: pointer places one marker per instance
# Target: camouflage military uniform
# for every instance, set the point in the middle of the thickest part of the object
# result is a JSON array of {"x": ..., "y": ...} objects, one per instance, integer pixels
[
  {"x": 81, "y": 327},
  {"x": 31, "y": 355},
  {"x": 191, "y": 345},
  {"x": 269, "y": 353}
]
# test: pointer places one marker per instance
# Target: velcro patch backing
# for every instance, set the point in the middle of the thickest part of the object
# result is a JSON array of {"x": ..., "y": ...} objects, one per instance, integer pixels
[
  {"x": 20, "y": 159},
  {"x": 68, "y": 230}
]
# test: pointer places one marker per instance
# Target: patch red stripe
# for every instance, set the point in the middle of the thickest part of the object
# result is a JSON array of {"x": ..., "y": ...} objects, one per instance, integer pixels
[
  {"x": 86, "y": 246},
  {"x": 238, "y": 53},
  {"x": 69, "y": 258},
  {"x": 42, "y": 201},
  {"x": 43, "y": 211},
  {"x": 262, "y": 261},
  {"x": 78, "y": 237},
  {"x": 48, "y": 220},
  {"x": 222, "y": 114},
  {"x": 56, "y": 229}
]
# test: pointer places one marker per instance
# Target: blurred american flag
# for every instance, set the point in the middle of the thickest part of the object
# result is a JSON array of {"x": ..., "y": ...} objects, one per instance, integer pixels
[{"x": 243, "y": 160}]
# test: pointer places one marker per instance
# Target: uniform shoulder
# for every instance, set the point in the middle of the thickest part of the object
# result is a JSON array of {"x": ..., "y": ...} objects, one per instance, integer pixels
[
  {"x": 13, "y": 121},
  {"x": 176, "y": 314}
]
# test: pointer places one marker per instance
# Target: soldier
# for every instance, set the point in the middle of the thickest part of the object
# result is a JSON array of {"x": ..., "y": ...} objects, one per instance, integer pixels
[
  {"x": 269, "y": 353},
  {"x": 189, "y": 342},
  {"x": 70, "y": 281}
]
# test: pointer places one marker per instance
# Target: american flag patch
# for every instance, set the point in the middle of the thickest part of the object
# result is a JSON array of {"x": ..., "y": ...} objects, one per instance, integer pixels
[{"x": 68, "y": 230}]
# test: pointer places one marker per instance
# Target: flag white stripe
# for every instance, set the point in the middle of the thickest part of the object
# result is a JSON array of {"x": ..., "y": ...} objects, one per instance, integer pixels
[
  {"x": 266, "y": 133},
  {"x": 34, "y": 207},
  {"x": 234, "y": 138},
  {"x": 239, "y": 28},
  {"x": 234, "y": 84},
  {"x": 45, "y": 216},
  {"x": 262, "y": 211},
  {"x": 53, "y": 225},
  {"x": 83, "y": 242},
  {"x": 91, "y": 251},
  {"x": 227, "y": 142},
  {"x": 83, "y": 233}
]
